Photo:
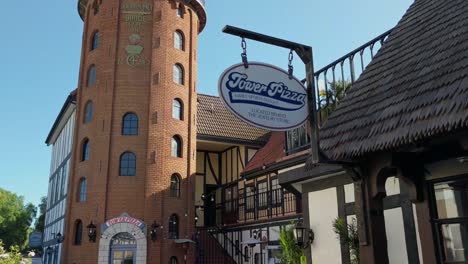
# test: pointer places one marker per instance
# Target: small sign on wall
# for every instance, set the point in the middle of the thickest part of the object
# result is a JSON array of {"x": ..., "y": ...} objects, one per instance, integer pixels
[
  {"x": 35, "y": 239},
  {"x": 264, "y": 96}
]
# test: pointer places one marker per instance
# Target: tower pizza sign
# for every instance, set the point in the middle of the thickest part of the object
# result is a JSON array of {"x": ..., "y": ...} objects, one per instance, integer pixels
[{"x": 264, "y": 96}]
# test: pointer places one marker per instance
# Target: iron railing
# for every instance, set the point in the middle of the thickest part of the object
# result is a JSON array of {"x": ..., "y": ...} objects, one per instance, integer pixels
[
  {"x": 333, "y": 81},
  {"x": 257, "y": 206},
  {"x": 214, "y": 246},
  {"x": 202, "y": 2}
]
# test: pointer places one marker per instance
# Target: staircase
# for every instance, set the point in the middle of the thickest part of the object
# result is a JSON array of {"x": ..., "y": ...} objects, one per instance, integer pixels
[{"x": 210, "y": 251}]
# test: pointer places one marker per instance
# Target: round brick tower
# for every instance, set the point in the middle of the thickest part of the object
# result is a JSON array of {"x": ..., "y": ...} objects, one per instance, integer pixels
[{"x": 132, "y": 175}]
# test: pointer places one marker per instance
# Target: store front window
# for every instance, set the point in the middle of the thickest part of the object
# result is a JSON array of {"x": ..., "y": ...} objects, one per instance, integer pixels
[
  {"x": 123, "y": 249},
  {"x": 450, "y": 206}
]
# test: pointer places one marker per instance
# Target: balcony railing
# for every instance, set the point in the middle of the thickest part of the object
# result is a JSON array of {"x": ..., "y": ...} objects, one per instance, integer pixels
[
  {"x": 258, "y": 206},
  {"x": 333, "y": 81},
  {"x": 202, "y": 2}
]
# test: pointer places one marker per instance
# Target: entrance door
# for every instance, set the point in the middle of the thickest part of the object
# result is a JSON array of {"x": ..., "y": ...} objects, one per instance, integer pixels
[
  {"x": 123, "y": 249},
  {"x": 210, "y": 205}
]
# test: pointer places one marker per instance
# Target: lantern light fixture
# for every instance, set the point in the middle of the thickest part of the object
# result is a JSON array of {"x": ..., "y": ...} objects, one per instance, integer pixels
[
  {"x": 91, "y": 232},
  {"x": 304, "y": 236}
]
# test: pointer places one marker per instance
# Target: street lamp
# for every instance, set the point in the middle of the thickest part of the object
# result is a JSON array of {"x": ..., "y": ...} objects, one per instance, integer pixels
[
  {"x": 91, "y": 232},
  {"x": 304, "y": 236}
]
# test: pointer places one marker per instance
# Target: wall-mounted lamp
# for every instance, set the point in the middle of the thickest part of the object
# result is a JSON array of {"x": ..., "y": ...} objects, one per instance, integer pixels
[
  {"x": 91, "y": 232},
  {"x": 154, "y": 231},
  {"x": 59, "y": 237},
  {"x": 304, "y": 236}
]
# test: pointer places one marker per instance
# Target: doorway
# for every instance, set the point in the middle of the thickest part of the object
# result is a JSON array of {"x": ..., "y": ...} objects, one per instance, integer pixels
[
  {"x": 123, "y": 249},
  {"x": 210, "y": 205}
]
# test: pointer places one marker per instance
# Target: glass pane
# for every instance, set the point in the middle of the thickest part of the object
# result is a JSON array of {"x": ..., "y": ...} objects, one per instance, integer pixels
[
  {"x": 118, "y": 254},
  {"x": 123, "y": 239},
  {"x": 128, "y": 254},
  {"x": 452, "y": 199},
  {"x": 455, "y": 242}
]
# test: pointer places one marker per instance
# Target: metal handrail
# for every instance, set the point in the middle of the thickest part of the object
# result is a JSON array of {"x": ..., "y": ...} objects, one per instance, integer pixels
[
  {"x": 259, "y": 205},
  {"x": 335, "y": 87}
]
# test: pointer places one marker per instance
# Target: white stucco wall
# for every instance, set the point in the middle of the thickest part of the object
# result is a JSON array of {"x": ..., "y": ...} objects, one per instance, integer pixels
[
  {"x": 349, "y": 193},
  {"x": 323, "y": 210},
  {"x": 392, "y": 186},
  {"x": 395, "y": 232},
  {"x": 418, "y": 239}
]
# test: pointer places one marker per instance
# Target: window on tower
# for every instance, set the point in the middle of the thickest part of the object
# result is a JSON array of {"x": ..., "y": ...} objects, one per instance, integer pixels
[
  {"x": 173, "y": 260},
  {"x": 127, "y": 164},
  {"x": 82, "y": 192},
  {"x": 174, "y": 227},
  {"x": 177, "y": 109},
  {"x": 175, "y": 186},
  {"x": 180, "y": 11},
  {"x": 178, "y": 74},
  {"x": 85, "y": 150},
  {"x": 88, "y": 116},
  {"x": 78, "y": 232},
  {"x": 176, "y": 148},
  {"x": 91, "y": 81},
  {"x": 178, "y": 40},
  {"x": 95, "y": 41},
  {"x": 130, "y": 124}
]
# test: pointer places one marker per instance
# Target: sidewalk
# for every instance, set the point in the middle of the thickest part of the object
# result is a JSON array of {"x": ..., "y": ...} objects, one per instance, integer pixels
[{"x": 36, "y": 261}]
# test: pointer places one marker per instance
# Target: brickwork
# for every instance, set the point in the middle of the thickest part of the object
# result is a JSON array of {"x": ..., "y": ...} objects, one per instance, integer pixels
[{"x": 125, "y": 83}]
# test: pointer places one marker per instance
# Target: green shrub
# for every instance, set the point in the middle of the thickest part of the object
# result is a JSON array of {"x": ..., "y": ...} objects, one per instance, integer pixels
[{"x": 348, "y": 236}]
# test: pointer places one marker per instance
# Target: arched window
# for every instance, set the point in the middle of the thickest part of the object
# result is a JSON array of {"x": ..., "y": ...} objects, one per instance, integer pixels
[
  {"x": 173, "y": 260},
  {"x": 130, "y": 124},
  {"x": 175, "y": 186},
  {"x": 95, "y": 41},
  {"x": 178, "y": 40},
  {"x": 173, "y": 227},
  {"x": 246, "y": 253},
  {"x": 78, "y": 232},
  {"x": 127, "y": 164},
  {"x": 180, "y": 11},
  {"x": 91, "y": 81},
  {"x": 177, "y": 109},
  {"x": 176, "y": 147},
  {"x": 96, "y": 6},
  {"x": 88, "y": 115},
  {"x": 178, "y": 74},
  {"x": 85, "y": 150},
  {"x": 82, "y": 194}
]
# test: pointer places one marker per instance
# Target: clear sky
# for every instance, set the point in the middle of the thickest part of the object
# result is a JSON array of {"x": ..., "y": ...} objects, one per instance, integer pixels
[{"x": 40, "y": 45}]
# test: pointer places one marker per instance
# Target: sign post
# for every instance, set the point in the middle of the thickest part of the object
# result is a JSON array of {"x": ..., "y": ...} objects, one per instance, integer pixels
[{"x": 305, "y": 53}]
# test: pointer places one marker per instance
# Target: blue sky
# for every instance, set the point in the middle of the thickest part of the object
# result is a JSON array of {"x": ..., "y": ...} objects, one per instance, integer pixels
[{"x": 41, "y": 46}]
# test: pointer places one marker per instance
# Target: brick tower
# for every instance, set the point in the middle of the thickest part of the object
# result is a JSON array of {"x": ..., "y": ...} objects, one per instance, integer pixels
[{"x": 131, "y": 198}]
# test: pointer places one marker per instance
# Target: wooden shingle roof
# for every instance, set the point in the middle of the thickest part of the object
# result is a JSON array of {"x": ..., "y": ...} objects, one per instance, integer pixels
[
  {"x": 215, "y": 120},
  {"x": 415, "y": 88}
]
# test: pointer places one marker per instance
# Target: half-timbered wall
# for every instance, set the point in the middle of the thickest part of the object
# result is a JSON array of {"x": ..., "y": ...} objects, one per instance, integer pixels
[
  {"x": 215, "y": 171},
  {"x": 334, "y": 197}
]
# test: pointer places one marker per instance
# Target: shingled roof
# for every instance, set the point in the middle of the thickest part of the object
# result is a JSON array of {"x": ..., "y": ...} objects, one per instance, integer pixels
[
  {"x": 215, "y": 120},
  {"x": 415, "y": 88}
]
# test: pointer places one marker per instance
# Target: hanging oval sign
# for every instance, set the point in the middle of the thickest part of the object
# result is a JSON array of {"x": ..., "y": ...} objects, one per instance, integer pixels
[{"x": 264, "y": 96}]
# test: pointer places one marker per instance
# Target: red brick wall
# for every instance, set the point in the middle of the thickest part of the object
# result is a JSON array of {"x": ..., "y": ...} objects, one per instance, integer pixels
[{"x": 121, "y": 88}]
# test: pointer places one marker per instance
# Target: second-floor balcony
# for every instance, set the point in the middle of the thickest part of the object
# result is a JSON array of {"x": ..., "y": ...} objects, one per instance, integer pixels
[{"x": 258, "y": 206}]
